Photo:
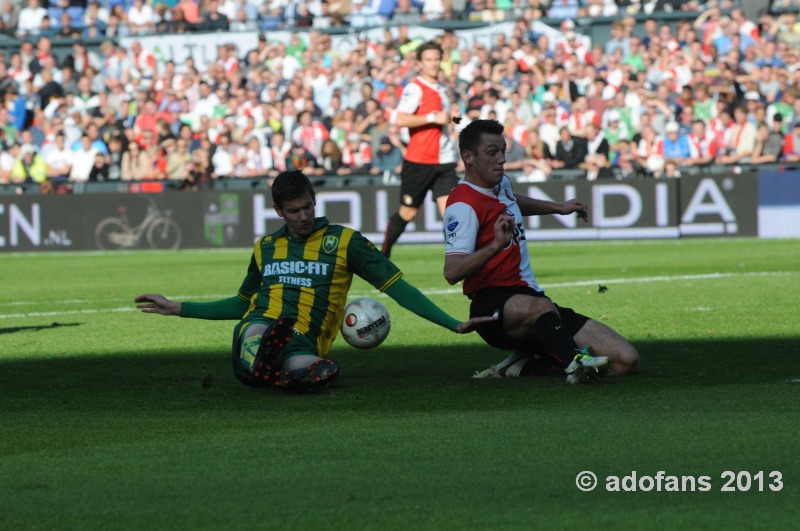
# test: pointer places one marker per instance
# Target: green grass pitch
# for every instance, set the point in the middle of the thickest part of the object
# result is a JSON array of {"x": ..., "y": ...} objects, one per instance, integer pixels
[{"x": 108, "y": 421}]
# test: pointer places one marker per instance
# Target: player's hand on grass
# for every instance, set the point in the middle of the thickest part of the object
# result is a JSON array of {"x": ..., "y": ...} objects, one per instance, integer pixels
[
  {"x": 469, "y": 326},
  {"x": 576, "y": 205},
  {"x": 155, "y": 303}
]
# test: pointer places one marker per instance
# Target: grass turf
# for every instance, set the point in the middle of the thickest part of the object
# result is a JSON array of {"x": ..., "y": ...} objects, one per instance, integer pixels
[{"x": 115, "y": 419}]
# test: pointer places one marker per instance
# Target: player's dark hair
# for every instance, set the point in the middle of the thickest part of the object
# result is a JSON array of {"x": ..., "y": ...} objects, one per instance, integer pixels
[
  {"x": 430, "y": 45},
  {"x": 290, "y": 185},
  {"x": 470, "y": 136}
]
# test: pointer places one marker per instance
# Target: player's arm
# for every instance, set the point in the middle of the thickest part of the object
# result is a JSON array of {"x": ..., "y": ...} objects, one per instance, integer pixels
[
  {"x": 230, "y": 308},
  {"x": 368, "y": 263},
  {"x": 407, "y": 107},
  {"x": 415, "y": 301},
  {"x": 418, "y": 120},
  {"x": 538, "y": 207},
  {"x": 459, "y": 266}
]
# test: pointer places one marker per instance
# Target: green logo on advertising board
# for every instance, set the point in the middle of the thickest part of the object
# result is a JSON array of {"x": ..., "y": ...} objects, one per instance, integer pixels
[{"x": 221, "y": 219}]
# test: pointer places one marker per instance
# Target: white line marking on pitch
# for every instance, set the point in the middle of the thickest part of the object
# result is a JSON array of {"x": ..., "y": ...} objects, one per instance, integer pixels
[
  {"x": 705, "y": 276},
  {"x": 66, "y": 312},
  {"x": 363, "y": 293}
]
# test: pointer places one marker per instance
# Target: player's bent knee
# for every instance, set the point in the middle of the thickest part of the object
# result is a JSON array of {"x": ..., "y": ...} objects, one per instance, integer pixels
[
  {"x": 408, "y": 214},
  {"x": 626, "y": 361}
]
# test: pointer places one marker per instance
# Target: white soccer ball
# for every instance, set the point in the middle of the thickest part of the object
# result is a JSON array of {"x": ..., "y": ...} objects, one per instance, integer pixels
[{"x": 366, "y": 323}]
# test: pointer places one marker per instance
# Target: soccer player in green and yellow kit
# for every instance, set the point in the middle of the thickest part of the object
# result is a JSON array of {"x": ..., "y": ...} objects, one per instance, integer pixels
[{"x": 291, "y": 302}]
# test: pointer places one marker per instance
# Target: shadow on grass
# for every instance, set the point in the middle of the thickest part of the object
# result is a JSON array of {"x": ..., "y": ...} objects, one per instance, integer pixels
[
  {"x": 388, "y": 379},
  {"x": 14, "y": 329}
]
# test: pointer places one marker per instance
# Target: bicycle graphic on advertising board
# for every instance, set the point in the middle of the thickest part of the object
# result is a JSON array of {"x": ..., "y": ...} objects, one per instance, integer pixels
[{"x": 157, "y": 228}]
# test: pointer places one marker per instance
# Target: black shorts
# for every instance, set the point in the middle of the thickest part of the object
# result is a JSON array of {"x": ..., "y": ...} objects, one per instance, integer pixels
[
  {"x": 489, "y": 301},
  {"x": 416, "y": 179}
]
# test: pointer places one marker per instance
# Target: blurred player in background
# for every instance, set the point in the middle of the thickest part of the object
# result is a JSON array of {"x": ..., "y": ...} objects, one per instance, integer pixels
[
  {"x": 291, "y": 302},
  {"x": 430, "y": 159},
  {"x": 486, "y": 248}
]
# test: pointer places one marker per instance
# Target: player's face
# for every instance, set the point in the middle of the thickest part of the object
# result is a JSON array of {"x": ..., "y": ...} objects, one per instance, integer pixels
[
  {"x": 429, "y": 64},
  {"x": 298, "y": 215},
  {"x": 487, "y": 163}
]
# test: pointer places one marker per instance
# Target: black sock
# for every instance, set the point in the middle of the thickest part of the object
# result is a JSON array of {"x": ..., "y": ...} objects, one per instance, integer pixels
[
  {"x": 394, "y": 229},
  {"x": 555, "y": 338}
]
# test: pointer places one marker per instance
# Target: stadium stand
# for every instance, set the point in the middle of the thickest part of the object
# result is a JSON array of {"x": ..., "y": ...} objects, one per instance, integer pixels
[{"x": 225, "y": 94}]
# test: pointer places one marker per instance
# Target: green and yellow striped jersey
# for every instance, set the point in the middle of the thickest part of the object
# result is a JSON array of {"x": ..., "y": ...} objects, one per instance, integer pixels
[{"x": 308, "y": 278}]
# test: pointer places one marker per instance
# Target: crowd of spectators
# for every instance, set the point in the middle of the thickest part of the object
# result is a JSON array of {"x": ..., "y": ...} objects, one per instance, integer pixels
[
  {"x": 652, "y": 100},
  {"x": 119, "y": 18}
]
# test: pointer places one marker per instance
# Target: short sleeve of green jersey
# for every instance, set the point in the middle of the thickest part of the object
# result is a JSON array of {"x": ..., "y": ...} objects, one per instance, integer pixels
[{"x": 366, "y": 261}]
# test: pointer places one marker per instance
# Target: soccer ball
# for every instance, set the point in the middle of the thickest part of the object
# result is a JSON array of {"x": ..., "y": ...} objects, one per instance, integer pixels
[{"x": 366, "y": 323}]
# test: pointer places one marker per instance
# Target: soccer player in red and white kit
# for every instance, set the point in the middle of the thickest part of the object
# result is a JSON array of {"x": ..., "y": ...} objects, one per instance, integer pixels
[
  {"x": 430, "y": 160},
  {"x": 486, "y": 247}
]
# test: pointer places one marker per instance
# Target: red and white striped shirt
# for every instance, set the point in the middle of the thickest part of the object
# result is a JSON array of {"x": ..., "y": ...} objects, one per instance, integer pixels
[
  {"x": 578, "y": 120},
  {"x": 748, "y": 27},
  {"x": 430, "y": 143},
  {"x": 469, "y": 226},
  {"x": 312, "y": 137},
  {"x": 230, "y": 65},
  {"x": 656, "y": 147},
  {"x": 580, "y": 50},
  {"x": 703, "y": 147},
  {"x": 145, "y": 64},
  {"x": 721, "y": 133},
  {"x": 279, "y": 156},
  {"x": 520, "y": 134},
  {"x": 357, "y": 158},
  {"x": 562, "y": 116},
  {"x": 791, "y": 144}
]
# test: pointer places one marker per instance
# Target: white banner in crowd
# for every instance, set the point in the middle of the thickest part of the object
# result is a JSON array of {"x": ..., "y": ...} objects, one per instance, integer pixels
[{"x": 202, "y": 47}]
